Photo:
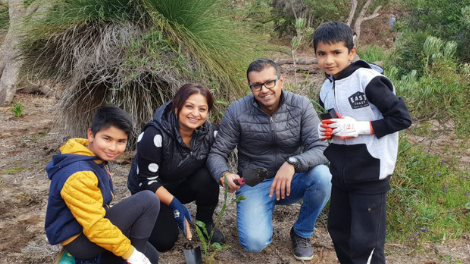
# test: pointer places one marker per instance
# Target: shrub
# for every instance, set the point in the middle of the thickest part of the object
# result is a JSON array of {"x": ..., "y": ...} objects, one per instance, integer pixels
[
  {"x": 443, "y": 90},
  {"x": 17, "y": 108},
  {"x": 135, "y": 54}
]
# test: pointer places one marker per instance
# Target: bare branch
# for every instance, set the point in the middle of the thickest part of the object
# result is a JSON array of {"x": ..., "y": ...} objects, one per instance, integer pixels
[
  {"x": 374, "y": 15},
  {"x": 352, "y": 12},
  {"x": 361, "y": 18}
]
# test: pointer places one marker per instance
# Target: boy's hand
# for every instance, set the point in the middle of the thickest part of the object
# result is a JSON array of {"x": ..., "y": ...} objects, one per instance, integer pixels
[
  {"x": 348, "y": 127},
  {"x": 324, "y": 131},
  {"x": 180, "y": 213},
  {"x": 137, "y": 258}
]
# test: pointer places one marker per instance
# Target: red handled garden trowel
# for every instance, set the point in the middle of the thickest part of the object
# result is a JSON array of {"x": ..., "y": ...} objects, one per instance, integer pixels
[{"x": 251, "y": 177}]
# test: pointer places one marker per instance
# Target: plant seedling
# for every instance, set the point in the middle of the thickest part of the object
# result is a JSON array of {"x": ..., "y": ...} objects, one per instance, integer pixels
[{"x": 202, "y": 231}]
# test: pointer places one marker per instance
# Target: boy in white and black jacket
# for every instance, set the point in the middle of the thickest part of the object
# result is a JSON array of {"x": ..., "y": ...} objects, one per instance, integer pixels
[{"x": 364, "y": 144}]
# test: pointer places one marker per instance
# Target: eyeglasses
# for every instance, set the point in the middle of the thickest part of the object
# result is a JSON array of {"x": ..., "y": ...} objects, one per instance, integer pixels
[{"x": 256, "y": 87}]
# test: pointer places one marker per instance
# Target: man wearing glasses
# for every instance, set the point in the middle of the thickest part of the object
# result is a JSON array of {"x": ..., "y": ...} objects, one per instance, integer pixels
[{"x": 276, "y": 130}]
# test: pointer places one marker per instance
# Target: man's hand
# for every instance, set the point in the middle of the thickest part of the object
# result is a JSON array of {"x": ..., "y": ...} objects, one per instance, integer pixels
[
  {"x": 282, "y": 181},
  {"x": 231, "y": 185}
]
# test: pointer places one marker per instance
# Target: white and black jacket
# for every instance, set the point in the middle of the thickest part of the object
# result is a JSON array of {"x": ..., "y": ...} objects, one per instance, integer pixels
[{"x": 364, "y": 164}]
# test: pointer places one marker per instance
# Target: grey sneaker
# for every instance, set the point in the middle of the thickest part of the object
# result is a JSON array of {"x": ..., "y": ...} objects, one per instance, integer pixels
[{"x": 302, "y": 248}]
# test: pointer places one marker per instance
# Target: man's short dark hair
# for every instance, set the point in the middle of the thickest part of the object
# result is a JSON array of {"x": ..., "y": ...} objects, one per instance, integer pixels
[
  {"x": 333, "y": 32},
  {"x": 110, "y": 115},
  {"x": 260, "y": 64}
]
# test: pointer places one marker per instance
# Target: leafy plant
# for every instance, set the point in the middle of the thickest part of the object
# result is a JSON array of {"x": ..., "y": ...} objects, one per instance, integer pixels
[
  {"x": 443, "y": 91},
  {"x": 202, "y": 231},
  {"x": 17, "y": 108},
  {"x": 286, "y": 12},
  {"x": 445, "y": 19}
]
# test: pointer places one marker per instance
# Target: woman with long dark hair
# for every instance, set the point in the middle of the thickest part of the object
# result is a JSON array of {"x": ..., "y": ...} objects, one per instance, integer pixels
[{"x": 171, "y": 162}]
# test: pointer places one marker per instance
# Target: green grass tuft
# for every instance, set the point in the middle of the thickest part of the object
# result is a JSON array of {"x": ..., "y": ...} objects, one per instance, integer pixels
[
  {"x": 17, "y": 108},
  {"x": 429, "y": 200},
  {"x": 371, "y": 53}
]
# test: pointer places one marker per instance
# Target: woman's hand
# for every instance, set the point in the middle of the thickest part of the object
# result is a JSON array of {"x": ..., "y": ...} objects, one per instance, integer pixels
[{"x": 180, "y": 212}]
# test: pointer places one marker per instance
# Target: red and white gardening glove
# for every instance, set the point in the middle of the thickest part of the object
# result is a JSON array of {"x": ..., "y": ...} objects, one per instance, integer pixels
[
  {"x": 348, "y": 127},
  {"x": 138, "y": 258},
  {"x": 324, "y": 131}
]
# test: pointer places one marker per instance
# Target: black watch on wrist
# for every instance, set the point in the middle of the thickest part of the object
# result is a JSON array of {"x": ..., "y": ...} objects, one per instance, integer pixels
[{"x": 294, "y": 161}]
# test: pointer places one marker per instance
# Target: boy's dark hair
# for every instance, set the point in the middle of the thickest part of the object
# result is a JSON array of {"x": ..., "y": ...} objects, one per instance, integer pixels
[
  {"x": 333, "y": 32},
  {"x": 110, "y": 115},
  {"x": 185, "y": 91},
  {"x": 260, "y": 64}
]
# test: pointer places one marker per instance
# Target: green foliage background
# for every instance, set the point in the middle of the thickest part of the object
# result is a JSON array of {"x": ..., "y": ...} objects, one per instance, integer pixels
[{"x": 446, "y": 19}]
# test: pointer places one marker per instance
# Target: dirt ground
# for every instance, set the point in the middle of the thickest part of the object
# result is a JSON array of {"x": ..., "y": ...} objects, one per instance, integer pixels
[{"x": 28, "y": 143}]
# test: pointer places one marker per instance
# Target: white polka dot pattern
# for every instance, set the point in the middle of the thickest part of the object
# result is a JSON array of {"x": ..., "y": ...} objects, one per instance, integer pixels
[
  {"x": 139, "y": 138},
  {"x": 153, "y": 167},
  {"x": 157, "y": 140}
]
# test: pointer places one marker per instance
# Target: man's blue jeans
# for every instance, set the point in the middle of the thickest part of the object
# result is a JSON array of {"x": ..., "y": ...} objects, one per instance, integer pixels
[{"x": 254, "y": 214}]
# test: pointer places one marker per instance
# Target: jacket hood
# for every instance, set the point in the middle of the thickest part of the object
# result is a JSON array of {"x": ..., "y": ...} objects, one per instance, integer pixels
[
  {"x": 73, "y": 151},
  {"x": 166, "y": 120},
  {"x": 350, "y": 70}
]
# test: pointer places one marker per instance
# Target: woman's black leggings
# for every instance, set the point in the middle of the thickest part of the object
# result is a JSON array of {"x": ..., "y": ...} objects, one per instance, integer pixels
[
  {"x": 199, "y": 187},
  {"x": 135, "y": 217}
]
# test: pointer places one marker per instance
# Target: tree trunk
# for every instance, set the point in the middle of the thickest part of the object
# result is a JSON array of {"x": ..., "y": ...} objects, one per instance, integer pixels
[
  {"x": 352, "y": 12},
  {"x": 9, "y": 65},
  {"x": 361, "y": 18}
]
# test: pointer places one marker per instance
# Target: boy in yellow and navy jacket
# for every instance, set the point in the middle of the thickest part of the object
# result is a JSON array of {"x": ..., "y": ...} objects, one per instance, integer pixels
[{"x": 79, "y": 216}]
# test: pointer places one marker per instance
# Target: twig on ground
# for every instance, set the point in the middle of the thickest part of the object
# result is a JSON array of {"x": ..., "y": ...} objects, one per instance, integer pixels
[
  {"x": 465, "y": 210},
  {"x": 320, "y": 256}
]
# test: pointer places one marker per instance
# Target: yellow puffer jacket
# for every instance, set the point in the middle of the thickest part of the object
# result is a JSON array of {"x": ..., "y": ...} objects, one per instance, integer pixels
[{"x": 85, "y": 199}]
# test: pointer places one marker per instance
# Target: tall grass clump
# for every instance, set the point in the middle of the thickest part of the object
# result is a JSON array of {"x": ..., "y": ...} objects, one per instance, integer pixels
[
  {"x": 4, "y": 18},
  {"x": 371, "y": 53},
  {"x": 442, "y": 92},
  {"x": 135, "y": 54},
  {"x": 429, "y": 200}
]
